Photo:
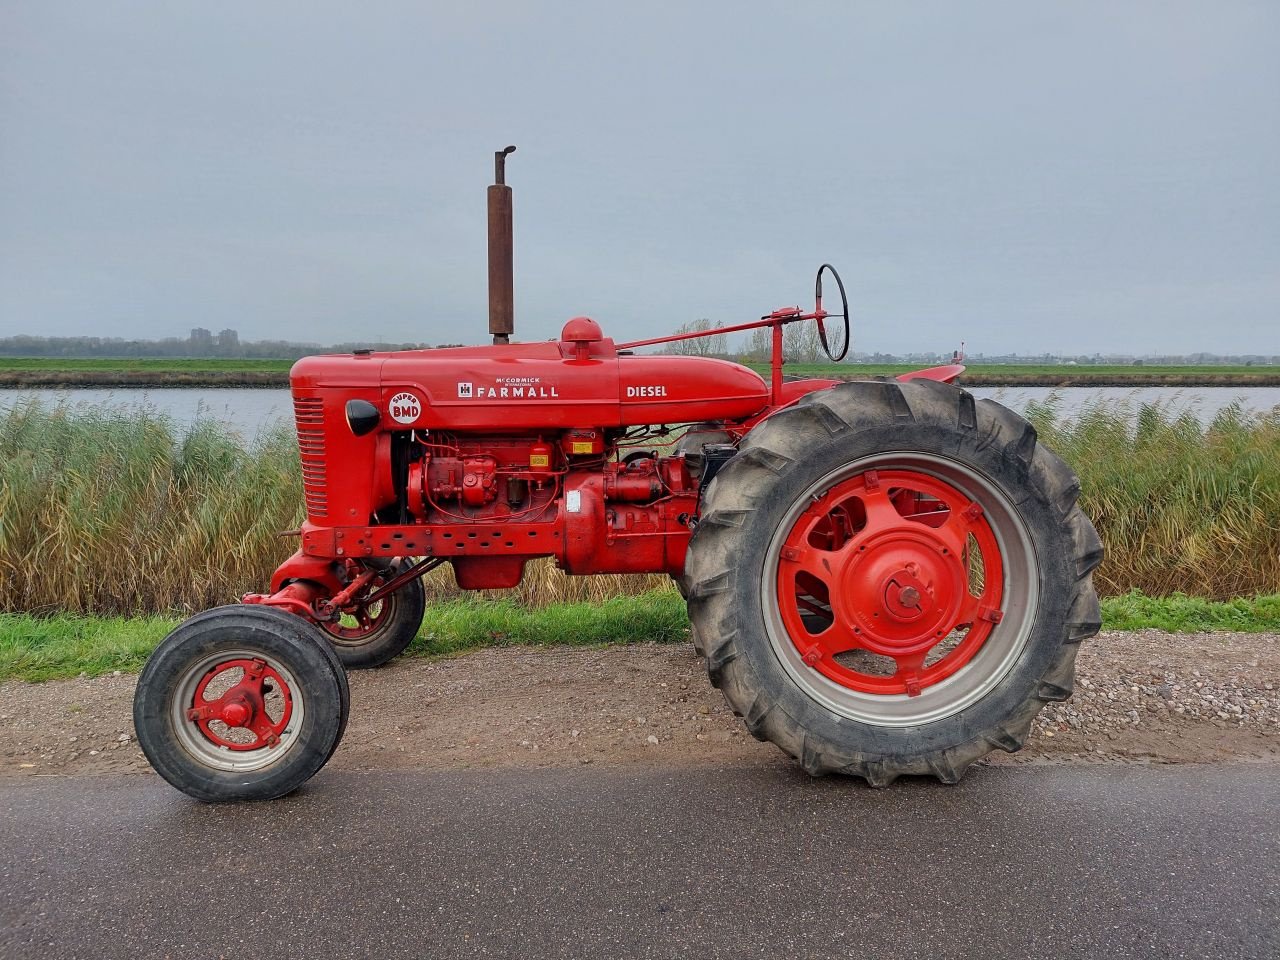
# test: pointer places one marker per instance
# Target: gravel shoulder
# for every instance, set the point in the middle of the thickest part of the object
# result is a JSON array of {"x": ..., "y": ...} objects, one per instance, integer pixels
[{"x": 1145, "y": 696}]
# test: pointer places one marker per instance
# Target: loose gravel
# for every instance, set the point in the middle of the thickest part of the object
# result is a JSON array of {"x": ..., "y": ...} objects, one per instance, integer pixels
[{"x": 1145, "y": 696}]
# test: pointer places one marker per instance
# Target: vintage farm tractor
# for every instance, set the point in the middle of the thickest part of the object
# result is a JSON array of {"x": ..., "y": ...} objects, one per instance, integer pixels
[{"x": 885, "y": 577}]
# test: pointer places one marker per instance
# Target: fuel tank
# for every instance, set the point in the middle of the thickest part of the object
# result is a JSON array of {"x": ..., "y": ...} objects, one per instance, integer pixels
[{"x": 580, "y": 380}]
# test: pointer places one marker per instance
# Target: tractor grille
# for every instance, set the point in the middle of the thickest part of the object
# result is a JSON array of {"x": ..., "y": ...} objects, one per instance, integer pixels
[{"x": 309, "y": 414}]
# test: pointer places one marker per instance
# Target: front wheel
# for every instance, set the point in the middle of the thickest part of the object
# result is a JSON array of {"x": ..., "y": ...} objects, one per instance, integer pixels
[
  {"x": 371, "y": 634},
  {"x": 892, "y": 578},
  {"x": 241, "y": 703}
]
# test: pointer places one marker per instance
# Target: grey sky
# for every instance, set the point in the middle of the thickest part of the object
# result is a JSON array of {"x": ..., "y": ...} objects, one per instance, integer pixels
[{"x": 1024, "y": 176}]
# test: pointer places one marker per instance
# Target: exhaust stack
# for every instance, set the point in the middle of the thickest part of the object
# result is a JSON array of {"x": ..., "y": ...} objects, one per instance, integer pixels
[{"x": 501, "y": 271}]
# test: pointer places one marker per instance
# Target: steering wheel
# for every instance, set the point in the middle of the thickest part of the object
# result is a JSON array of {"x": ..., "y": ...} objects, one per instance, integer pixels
[{"x": 837, "y": 352}]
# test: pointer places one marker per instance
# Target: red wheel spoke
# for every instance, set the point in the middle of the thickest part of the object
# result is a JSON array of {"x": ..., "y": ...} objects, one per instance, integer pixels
[
  {"x": 212, "y": 709},
  {"x": 839, "y": 639},
  {"x": 910, "y": 666},
  {"x": 262, "y": 727},
  {"x": 823, "y": 565},
  {"x": 881, "y": 513},
  {"x": 973, "y": 608},
  {"x": 253, "y": 671},
  {"x": 954, "y": 532},
  {"x": 827, "y": 645}
]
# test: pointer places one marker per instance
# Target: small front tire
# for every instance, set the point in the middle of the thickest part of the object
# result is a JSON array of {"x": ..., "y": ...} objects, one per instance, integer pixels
[{"x": 240, "y": 703}]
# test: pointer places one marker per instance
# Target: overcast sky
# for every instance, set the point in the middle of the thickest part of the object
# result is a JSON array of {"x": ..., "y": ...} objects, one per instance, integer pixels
[{"x": 1027, "y": 177}]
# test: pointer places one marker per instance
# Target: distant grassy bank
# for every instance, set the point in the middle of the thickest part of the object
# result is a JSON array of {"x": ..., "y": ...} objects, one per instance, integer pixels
[
  {"x": 1057, "y": 374},
  {"x": 37, "y": 649},
  {"x": 45, "y": 372}
]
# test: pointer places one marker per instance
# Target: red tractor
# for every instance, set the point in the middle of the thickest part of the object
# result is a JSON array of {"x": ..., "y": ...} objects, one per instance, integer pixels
[{"x": 885, "y": 577}]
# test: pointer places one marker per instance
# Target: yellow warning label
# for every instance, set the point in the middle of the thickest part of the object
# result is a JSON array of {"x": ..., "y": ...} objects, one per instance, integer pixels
[
  {"x": 583, "y": 446},
  {"x": 539, "y": 460}
]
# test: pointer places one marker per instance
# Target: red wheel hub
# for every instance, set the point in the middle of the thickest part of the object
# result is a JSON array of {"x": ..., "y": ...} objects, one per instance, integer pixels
[
  {"x": 884, "y": 562},
  {"x": 243, "y": 706}
]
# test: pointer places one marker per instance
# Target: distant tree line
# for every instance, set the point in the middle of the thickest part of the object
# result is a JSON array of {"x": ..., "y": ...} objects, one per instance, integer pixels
[
  {"x": 800, "y": 343},
  {"x": 200, "y": 343}
]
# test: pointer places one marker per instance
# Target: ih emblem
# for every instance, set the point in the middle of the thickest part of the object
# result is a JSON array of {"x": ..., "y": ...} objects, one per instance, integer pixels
[{"x": 405, "y": 408}]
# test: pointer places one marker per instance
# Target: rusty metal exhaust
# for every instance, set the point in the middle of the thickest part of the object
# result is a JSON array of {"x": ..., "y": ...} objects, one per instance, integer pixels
[{"x": 501, "y": 270}]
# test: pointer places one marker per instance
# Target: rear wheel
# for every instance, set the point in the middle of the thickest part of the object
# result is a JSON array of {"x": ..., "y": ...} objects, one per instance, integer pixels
[
  {"x": 892, "y": 579},
  {"x": 371, "y": 634},
  {"x": 241, "y": 703}
]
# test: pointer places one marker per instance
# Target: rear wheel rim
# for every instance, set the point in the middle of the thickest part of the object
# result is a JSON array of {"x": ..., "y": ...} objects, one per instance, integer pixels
[
  {"x": 869, "y": 594},
  {"x": 238, "y": 710}
]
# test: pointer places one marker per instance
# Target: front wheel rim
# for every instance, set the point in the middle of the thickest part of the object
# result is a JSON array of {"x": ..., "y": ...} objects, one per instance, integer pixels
[
  {"x": 238, "y": 710},
  {"x": 868, "y": 589}
]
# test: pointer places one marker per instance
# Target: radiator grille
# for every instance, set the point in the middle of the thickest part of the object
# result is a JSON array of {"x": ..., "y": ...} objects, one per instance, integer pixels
[{"x": 308, "y": 412}]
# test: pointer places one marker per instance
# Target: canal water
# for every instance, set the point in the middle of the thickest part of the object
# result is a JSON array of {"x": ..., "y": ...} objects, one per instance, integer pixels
[{"x": 250, "y": 411}]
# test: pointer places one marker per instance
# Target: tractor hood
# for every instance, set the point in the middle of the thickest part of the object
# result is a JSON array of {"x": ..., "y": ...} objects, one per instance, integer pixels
[{"x": 577, "y": 382}]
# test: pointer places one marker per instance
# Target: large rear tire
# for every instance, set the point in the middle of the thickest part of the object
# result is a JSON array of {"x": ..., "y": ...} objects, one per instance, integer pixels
[
  {"x": 892, "y": 578},
  {"x": 241, "y": 703}
]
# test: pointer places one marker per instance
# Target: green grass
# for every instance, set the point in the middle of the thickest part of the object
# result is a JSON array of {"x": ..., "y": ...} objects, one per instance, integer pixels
[
  {"x": 39, "y": 648},
  {"x": 1182, "y": 614},
  {"x": 47, "y": 648},
  {"x": 36, "y": 649},
  {"x": 466, "y": 624}
]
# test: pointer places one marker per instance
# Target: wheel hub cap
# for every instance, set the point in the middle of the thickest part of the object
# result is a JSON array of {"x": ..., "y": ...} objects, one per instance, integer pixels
[{"x": 900, "y": 591}]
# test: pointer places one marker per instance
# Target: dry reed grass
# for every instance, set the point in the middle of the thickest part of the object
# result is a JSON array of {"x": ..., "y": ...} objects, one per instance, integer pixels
[
  {"x": 1182, "y": 507},
  {"x": 117, "y": 510}
]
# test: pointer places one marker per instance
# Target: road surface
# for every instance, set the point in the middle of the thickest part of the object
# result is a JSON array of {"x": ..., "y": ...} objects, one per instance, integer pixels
[{"x": 1043, "y": 861}]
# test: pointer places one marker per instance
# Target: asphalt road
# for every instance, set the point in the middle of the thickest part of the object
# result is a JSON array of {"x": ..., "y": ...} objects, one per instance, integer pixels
[{"x": 1085, "y": 861}]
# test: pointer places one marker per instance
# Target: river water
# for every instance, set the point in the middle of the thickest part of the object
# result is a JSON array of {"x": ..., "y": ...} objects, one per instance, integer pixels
[{"x": 250, "y": 411}]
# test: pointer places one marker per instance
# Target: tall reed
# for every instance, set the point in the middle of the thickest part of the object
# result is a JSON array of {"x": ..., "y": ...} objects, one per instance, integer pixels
[
  {"x": 119, "y": 510},
  {"x": 1181, "y": 506}
]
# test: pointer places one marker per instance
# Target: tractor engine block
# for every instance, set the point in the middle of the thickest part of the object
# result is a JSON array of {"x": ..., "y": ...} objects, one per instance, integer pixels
[{"x": 490, "y": 503}]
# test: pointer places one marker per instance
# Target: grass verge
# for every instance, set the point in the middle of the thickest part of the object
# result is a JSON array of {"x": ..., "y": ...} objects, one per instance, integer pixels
[
  {"x": 48, "y": 648},
  {"x": 38, "y": 648},
  {"x": 1182, "y": 614}
]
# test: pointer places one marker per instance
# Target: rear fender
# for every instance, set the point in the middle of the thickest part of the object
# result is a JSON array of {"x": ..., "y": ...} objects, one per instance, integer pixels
[{"x": 794, "y": 390}]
